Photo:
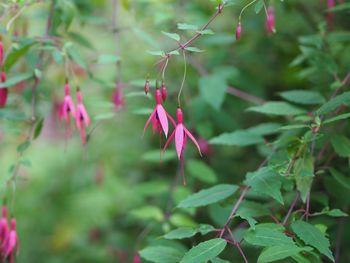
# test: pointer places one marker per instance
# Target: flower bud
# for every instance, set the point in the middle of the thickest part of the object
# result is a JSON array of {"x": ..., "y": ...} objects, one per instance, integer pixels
[
  {"x": 270, "y": 20},
  {"x": 164, "y": 91},
  {"x": 238, "y": 31},
  {"x": 146, "y": 88}
]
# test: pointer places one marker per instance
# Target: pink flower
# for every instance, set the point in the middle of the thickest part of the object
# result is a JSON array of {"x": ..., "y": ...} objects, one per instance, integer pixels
[
  {"x": 68, "y": 109},
  {"x": 3, "y": 91},
  {"x": 137, "y": 258},
  {"x": 118, "y": 98},
  {"x": 11, "y": 245},
  {"x": 181, "y": 133},
  {"x": 238, "y": 31},
  {"x": 270, "y": 20},
  {"x": 1, "y": 51},
  {"x": 159, "y": 117},
  {"x": 82, "y": 119},
  {"x": 4, "y": 228}
]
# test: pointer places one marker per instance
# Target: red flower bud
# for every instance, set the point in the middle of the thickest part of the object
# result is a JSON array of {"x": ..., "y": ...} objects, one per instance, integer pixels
[
  {"x": 146, "y": 88},
  {"x": 238, "y": 31},
  {"x": 163, "y": 91},
  {"x": 3, "y": 91},
  {"x": 270, "y": 20}
]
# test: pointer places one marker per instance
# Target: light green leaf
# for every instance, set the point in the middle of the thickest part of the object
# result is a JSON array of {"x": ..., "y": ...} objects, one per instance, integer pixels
[
  {"x": 277, "y": 108},
  {"x": 304, "y": 173},
  {"x": 148, "y": 213},
  {"x": 312, "y": 236},
  {"x": 341, "y": 145},
  {"x": 337, "y": 118},
  {"x": 278, "y": 252},
  {"x": 267, "y": 237},
  {"x": 156, "y": 53},
  {"x": 180, "y": 233},
  {"x": 201, "y": 171},
  {"x": 213, "y": 89},
  {"x": 16, "y": 79},
  {"x": 303, "y": 96},
  {"x": 16, "y": 53},
  {"x": 194, "y": 49},
  {"x": 265, "y": 182},
  {"x": 183, "y": 26},
  {"x": 258, "y": 6},
  {"x": 161, "y": 254},
  {"x": 334, "y": 103},
  {"x": 172, "y": 35},
  {"x": 206, "y": 32},
  {"x": 265, "y": 128},
  {"x": 238, "y": 138},
  {"x": 208, "y": 196},
  {"x": 75, "y": 54},
  {"x": 205, "y": 251},
  {"x": 108, "y": 59}
]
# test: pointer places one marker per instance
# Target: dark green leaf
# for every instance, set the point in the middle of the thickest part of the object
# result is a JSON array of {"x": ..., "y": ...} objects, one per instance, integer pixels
[
  {"x": 277, "y": 108},
  {"x": 303, "y": 96},
  {"x": 238, "y": 138}
]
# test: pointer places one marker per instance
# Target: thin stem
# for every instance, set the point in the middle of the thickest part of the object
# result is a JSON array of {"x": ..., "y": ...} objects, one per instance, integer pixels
[
  {"x": 164, "y": 68},
  {"x": 291, "y": 208},
  {"x": 244, "y": 8},
  {"x": 184, "y": 78},
  {"x": 15, "y": 17}
]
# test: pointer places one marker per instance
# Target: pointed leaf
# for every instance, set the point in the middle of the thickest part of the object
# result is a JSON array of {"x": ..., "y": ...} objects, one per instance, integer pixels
[
  {"x": 277, "y": 108},
  {"x": 161, "y": 254},
  {"x": 278, "y": 252},
  {"x": 238, "y": 138}
]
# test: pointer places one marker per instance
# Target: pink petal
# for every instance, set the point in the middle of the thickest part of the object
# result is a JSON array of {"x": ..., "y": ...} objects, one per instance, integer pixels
[
  {"x": 84, "y": 114},
  {"x": 148, "y": 121},
  {"x": 179, "y": 139},
  {"x": 193, "y": 140},
  {"x": 163, "y": 119},
  {"x": 154, "y": 124},
  {"x": 168, "y": 141}
]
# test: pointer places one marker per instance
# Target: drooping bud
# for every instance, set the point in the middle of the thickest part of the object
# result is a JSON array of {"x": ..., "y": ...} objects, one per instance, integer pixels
[
  {"x": 3, "y": 91},
  {"x": 137, "y": 258},
  {"x": 270, "y": 20},
  {"x": 238, "y": 31},
  {"x": 164, "y": 91},
  {"x": 146, "y": 88},
  {"x": 179, "y": 115},
  {"x": 158, "y": 96},
  {"x": 1, "y": 51}
]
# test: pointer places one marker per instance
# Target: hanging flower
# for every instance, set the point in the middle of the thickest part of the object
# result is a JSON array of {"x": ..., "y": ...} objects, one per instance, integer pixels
[
  {"x": 270, "y": 20},
  {"x": 3, "y": 91},
  {"x": 238, "y": 31},
  {"x": 82, "y": 119},
  {"x": 4, "y": 228},
  {"x": 181, "y": 133},
  {"x": 164, "y": 91},
  {"x": 159, "y": 117},
  {"x": 118, "y": 98},
  {"x": 11, "y": 246},
  {"x": 146, "y": 87},
  {"x": 68, "y": 109}
]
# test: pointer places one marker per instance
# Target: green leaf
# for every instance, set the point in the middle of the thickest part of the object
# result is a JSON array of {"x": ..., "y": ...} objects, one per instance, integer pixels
[
  {"x": 341, "y": 145},
  {"x": 172, "y": 35},
  {"x": 206, "y": 32},
  {"x": 23, "y": 146},
  {"x": 277, "y": 108},
  {"x": 201, "y": 171},
  {"x": 219, "y": 260},
  {"x": 148, "y": 213},
  {"x": 16, "y": 79},
  {"x": 336, "y": 213},
  {"x": 180, "y": 233},
  {"x": 312, "y": 236},
  {"x": 108, "y": 59},
  {"x": 304, "y": 173},
  {"x": 161, "y": 254},
  {"x": 267, "y": 237},
  {"x": 278, "y": 252},
  {"x": 337, "y": 118},
  {"x": 75, "y": 54},
  {"x": 343, "y": 180},
  {"x": 208, "y": 196},
  {"x": 156, "y": 53},
  {"x": 183, "y": 26},
  {"x": 38, "y": 128},
  {"x": 16, "y": 53},
  {"x": 194, "y": 49},
  {"x": 238, "y": 138},
  {"x": 265, "y": 128},
  {"x": 80, "y": 39},
  {"x": 258, "y": 6},
  {"x": 213, "y": 89},
  {"x": 265, "y": 182},
  {"x": 334, "y": 103},
  {"x": 303, "y": 96},
  {"x": 205, "y": 251}
]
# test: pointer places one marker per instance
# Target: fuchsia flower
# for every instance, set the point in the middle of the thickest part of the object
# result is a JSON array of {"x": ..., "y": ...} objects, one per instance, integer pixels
[
  {"x": 82, "y": 119},
  {"x": 270, "y": 20},
  {"x": 137, "y": 258},
  {"x": 3, "y": 91},
  {"x": 1, "y": 51},
  {"x": 68, "y": 109},
  {"x": 159, "y": 117},
  {"x": 238, "y": 31},
  {"x": 4, "y": 228},
  {"x": 118, "y": 99},
  {"x": 181, "y": 133},
  {"x": 11, "y": 246},
  {"x": 146, "y": 87}
]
